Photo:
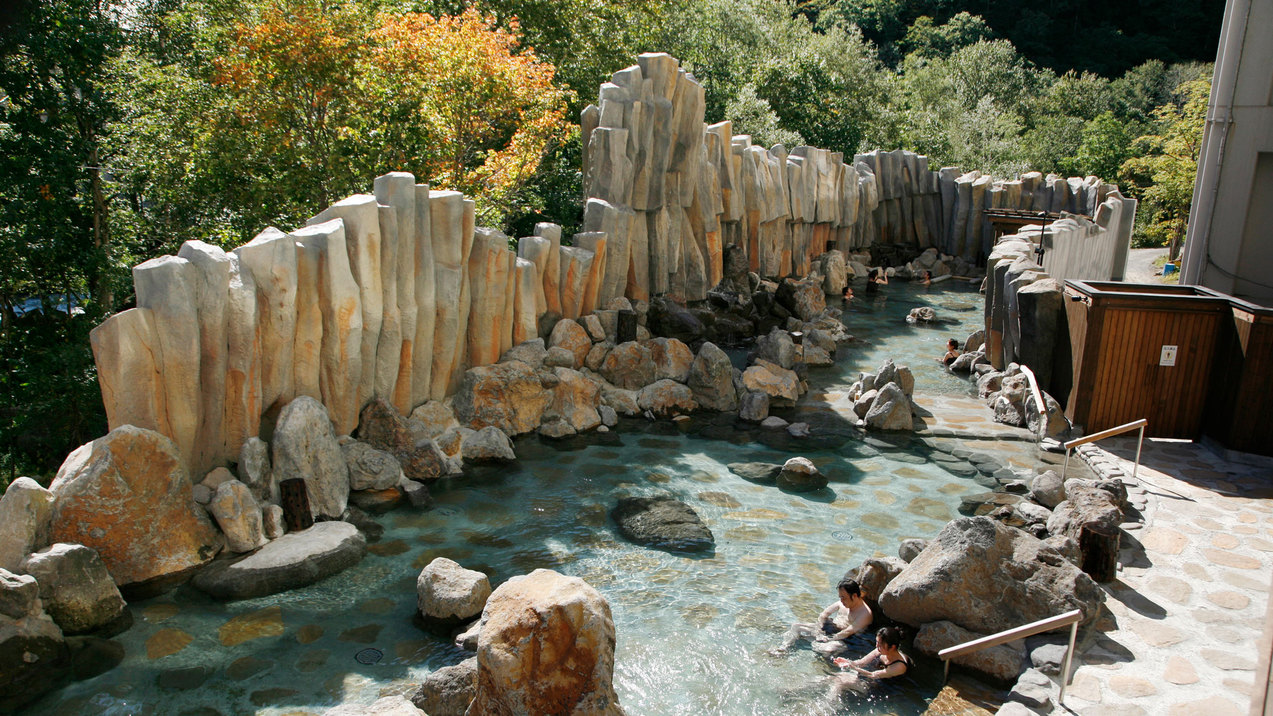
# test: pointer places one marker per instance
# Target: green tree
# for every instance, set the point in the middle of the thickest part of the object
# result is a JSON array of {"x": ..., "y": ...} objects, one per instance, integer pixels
[
  {"x": 1106, "y": 145},
  {"x": 927, "y": 38},
  {"x": 1162, "y": 173},
  {"x": 55, "y": 231},
  {"x": 823, "y": 86}
]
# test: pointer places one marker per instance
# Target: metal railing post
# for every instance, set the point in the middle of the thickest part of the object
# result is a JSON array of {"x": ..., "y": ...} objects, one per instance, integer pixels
[
  {"x": 1071, "y": 444},
  {"x": 1070, "y": 618},
  {"x": 1065, "y": 669}
]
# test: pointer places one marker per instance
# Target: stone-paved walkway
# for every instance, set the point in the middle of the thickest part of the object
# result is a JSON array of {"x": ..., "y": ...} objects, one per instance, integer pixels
[
  {"x": 1186, "y": 615},
  {"x": 1187, "y": 611}
]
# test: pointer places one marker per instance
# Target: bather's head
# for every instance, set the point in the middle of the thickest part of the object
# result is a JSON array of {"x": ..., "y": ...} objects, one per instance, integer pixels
[
  {"x": 888, "y": 638},
  {"x": 850, "y": 592}
]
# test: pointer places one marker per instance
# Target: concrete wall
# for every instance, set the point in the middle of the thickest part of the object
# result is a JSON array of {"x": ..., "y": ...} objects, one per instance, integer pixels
[{"x": 1229, "y": 245}]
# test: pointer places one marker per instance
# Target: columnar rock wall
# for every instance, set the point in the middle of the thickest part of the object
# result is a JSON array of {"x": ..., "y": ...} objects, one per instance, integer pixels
[
  {"x": 388, "y": 295},
  {"x": 395, "y": 294},
  {"x": 671, "y": 193}
]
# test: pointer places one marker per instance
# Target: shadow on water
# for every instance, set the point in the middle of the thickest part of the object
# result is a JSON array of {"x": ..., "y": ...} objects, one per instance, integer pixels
[{"x": 777, "y": 558}]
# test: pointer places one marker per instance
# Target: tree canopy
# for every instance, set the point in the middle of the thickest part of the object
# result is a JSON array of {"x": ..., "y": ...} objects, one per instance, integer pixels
[{"x": 127, "y": 128}]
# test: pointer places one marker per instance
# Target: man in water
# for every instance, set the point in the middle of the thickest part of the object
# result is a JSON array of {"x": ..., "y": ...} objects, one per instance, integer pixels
[
  {"x": 887, "y": 656},
  {"x": 841, "y": 619}
]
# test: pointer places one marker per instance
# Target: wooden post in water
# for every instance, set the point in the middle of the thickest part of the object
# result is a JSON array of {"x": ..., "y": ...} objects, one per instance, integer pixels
[{"x": 295, "y": 499}]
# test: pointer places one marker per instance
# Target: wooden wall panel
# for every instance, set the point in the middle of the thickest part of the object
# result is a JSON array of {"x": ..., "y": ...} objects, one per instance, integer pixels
[{"x": 1117, "y": 342}]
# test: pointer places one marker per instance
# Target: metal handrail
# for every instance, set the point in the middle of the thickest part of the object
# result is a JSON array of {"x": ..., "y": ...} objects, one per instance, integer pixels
[
  {"x": 1072, "y": 618},
  {"x": 1127, "y": 427}
]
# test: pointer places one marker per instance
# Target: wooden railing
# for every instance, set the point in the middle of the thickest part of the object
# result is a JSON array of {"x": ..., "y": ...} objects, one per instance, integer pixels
[
  {"x": 1070, "y": 445},
  {"x": 1072, "y": 618}
]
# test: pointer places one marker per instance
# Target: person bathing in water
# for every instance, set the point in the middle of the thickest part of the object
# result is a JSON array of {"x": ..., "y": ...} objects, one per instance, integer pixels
[
  {"x": 841, "y": 619},
  {"x": 952, "y": 352},
  {"x": 886, "y": 661}
]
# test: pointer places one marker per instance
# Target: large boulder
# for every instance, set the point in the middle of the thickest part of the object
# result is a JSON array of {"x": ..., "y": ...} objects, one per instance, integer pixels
[
  {"x": 547, "y": 647},
  {"x": 489, "y": 444},
  {"x": 296, "y": 559},
  {"x": 778, "y": 348},
  {"x": 666, "y": 398},
  {"x": 711, "y": 379},
  {"x": 575, "y": 400},
  {"x": 1001, "y": 664},
  {"x": 629, "y": 366},
  {"x": 448, "y": 595},
  {"x": 573, "y": 337},
  {"x": 781, "y": 385},
  {"x": 987, "y": 577},
  {"x": 305, "y": 447},
  {"x": 369, "y": 468},
  {"x": 33, "y": 653},
  {"x": 663, "y": 523},
  {"x": 508, "y": 396},
  {"x": 1084, "y": 502},
  {"x": 449, "y": 690},
  {"x": 799, "y": 474},
  {"x": 533, "y": 353},
  {"x": 753, "y": 407},
  {"x": 75, "y": 587},
  {"x": 26, "y": 511},
  {"x": 668, "y": 318},
  {"x": 890, "y": 410},
  {"x": 671, "y": 358},
  {"x": 804, "y": 298},
  {"x": 128, "y": 497},
  {"x": 433, "y": 418},
  {"x": 874, "y": 574},
  {"x": 382, "y": 427}
]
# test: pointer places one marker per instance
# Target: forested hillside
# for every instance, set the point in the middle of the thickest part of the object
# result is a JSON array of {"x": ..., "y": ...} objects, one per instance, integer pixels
[{"x": 127, "y": 128}]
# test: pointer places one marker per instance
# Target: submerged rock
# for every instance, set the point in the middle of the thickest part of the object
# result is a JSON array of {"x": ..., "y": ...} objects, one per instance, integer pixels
[
  {"x": 296, "y": 559},
  {"x": 800, "y": 475},
  {"x": 662, "y": 523},
  {"x": 33, "y": 653},
  {"x": 762, "y": 472}
]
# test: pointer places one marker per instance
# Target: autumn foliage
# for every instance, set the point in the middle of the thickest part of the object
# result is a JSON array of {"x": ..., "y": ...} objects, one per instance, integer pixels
[{"x": 333, "y": 97}]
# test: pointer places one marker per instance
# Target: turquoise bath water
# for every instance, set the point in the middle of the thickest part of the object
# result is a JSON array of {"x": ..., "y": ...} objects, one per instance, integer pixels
[{"x": 692, "y": 630}]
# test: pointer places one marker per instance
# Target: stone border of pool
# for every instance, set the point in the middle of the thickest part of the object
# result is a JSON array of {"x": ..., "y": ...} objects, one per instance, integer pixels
[{"x": 1177, "y": 638}]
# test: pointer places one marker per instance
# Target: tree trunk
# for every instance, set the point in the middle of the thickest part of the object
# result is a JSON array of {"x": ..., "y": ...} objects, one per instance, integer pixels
[{"x": 100, "y": 283}]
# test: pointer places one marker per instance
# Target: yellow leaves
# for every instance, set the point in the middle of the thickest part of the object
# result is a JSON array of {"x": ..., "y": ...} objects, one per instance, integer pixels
[{"x": 454, "y": 99}]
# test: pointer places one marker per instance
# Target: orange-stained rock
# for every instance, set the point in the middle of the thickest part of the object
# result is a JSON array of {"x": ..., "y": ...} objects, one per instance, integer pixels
[
  {"x": 573, "y": 337},
  {"x": 671, "y": 357},
  {"x": 546, "y": 647},
  {"x": 508, "y": 396},
  {"x": 128, "y": 497}
]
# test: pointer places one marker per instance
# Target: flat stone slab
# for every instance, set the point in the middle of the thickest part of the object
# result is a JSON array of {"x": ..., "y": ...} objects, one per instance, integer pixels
[
  {"x": 663, "y": 523},
  {"x": 296, "y": 559}
]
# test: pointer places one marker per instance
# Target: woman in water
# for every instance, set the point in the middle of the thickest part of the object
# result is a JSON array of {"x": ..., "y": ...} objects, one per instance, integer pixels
[{"x": 887, "y": 657}]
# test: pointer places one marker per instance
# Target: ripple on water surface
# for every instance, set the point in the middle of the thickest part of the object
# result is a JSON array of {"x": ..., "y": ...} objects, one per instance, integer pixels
[{"x": 693, "y": 631}]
